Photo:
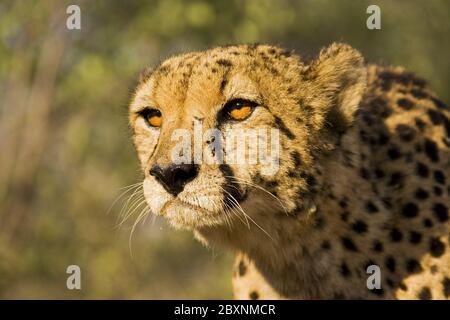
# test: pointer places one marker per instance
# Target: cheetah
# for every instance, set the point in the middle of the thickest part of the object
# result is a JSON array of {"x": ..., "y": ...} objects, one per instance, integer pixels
[{"x": 362, "y": 178}]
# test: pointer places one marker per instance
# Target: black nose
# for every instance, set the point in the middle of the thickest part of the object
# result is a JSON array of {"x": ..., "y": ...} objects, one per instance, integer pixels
[{"x": 174, "y": 177}]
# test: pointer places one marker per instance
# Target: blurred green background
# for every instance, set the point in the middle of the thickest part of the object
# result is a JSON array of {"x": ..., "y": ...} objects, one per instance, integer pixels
[{"x": 65, "y": 148}]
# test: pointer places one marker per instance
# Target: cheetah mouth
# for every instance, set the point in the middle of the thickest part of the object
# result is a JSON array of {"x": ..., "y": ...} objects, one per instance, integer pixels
[
  {"x": 184, "y": 215},
  {"x": 191, "y": 206}
]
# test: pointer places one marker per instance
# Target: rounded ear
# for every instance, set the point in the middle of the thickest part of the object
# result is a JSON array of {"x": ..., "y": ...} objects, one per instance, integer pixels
[{"x": 338, "y": 81}]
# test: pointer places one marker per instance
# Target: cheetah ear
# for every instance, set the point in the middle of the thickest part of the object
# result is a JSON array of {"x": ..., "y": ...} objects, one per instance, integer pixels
[
  {"x": 338, "y": 79},
  {"x": 145, "y": 75}
]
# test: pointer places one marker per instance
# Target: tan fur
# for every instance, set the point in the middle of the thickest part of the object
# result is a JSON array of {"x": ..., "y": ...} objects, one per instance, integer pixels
[{"x": 348, "y": 193}]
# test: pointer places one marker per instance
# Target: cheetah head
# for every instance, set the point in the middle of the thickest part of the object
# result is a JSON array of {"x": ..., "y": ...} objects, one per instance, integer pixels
[{"x": 184, "y": 112}]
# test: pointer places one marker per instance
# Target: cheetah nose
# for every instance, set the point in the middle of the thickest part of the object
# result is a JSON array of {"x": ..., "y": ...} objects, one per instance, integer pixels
[{"x": 174, "y": 177}]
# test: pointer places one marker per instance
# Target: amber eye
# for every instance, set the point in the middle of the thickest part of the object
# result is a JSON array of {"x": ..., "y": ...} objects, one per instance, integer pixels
[
  {"x": 239, "y": 109},
  {"x": 152, "y": 117}
]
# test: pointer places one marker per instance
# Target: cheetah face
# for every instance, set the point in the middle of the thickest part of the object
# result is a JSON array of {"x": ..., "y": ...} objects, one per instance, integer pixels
[{"x": 215, "y": 130}]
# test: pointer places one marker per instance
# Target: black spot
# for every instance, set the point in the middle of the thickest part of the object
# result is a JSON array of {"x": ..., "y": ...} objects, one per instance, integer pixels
[
  {"x": 310, "y": 180},
  {"x": 420, "y": 124},
  {"x": 405, "y": 103},
  {"x": 413, "y": 266},
  {"x": 436, "y": 117},
  {"x": 441, "y": 212},
  {"x": 364, "y": 173},
  {"x": 319, "y": 222},
  {"x": 437, "y": 247},
  {"x": 396, "y": 235},
  {"x": 379, "y": 173},
  {"x": 383, "y": 139},
  {"x": 224, "y": 62},
  {"x": 418, "y": 147},
  {"x": 326, "y": 245},
  {"x": 390, "y": 263},
  {"x": 404, "y": 78},
  {"x": 349, "y": 244},
  {"x": 254, "y": 295},
  {"x": 410, "y": 210},
  {"x": 396, "y": 179},
  {"x": 421, "y": 194},
  {"x": 296, "y": 158},
  {"x": 424, "y": 294},
  {"x": 377, "y": 246},
  {"x": 344, "y": 215},
  {"x": 422, "y": 170},
  {"x": 273, "y": 70},
  {"x": 403, "y": 286},
  {"x": 386, "y": 80},
  {"x": 431, "y": 150},
  {"x": 427, "y": 223},
  {"x": 419, "y": 94},
  {"x": 446, "y": 285},
  {"x": 343, "y": 203},
  {"x": 345, "y": 271},
  {"x": 280, "y": 124},
  {"x": 359, "y": 226},
  {"x": 164, "y": 70},
  {"x": 364, "y": 136},
  {"x": 394, "y": 153},
  {"x": 406, "y": 133},
  {"x": 439, "y": 177},
  {"x": 371, "y": 207},
  {"x": 272, "y": 184},
  {"x": 446, "y": 123},
  {"x": 381, "y": 107},
  {"x": 242, "y": 268},
  {"x": 437, "y": 191},
  {"x": 415, "y": 237}
]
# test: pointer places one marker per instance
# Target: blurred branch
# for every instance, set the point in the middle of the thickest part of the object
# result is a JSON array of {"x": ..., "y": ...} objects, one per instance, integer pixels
[{"x": 26, "y": 120}]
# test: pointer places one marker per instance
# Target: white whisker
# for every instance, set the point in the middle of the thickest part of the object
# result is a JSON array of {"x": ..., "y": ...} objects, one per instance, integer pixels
[
  {"x": 141, "y": 215},
  {"x": 246, "y": 215},
  {"x": 128, "y": 189},
  {"x": 251, "y": 184}
]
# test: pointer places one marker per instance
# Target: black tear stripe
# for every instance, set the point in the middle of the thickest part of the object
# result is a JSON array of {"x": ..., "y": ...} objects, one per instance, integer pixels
[
  {"x": 285, "y": 130},
  {"x": 231, "y": 187},
  {"x": 224, "y": 81},
  {"x": 227, "y": 65}
]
